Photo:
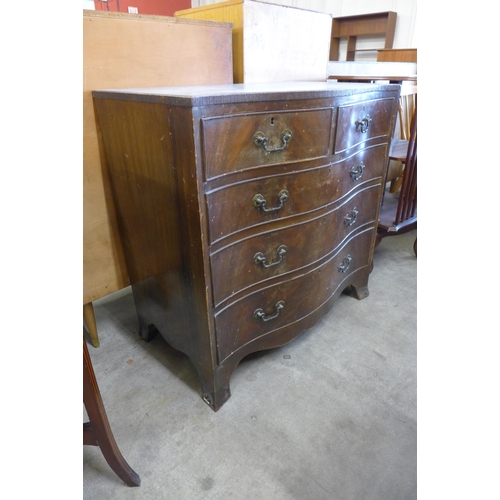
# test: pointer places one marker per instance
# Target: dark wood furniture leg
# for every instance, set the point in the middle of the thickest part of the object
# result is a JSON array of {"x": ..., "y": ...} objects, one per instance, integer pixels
[
  {"x": 98, "y": 432},
  {"x": 88, "y": 316}
]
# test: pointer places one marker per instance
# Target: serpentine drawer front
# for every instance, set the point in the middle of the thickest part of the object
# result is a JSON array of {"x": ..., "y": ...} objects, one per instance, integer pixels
[
  {"x": 290, "y": 194},
  {"x": 274, "y": 307},
  {"x": 369, "y": 119},
  {"x": 290, "y": 247},
  {"x": 245, "y": 141},
  {"x": 245, "y": 210}
]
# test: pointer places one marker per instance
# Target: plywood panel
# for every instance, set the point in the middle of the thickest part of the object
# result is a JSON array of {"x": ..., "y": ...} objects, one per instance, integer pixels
[
  {"x": 229, "y": 12},
  {"x": 285, "y": 44},
  {"x": 276, "y": 43},
  {"x": 127, "y": 50}
]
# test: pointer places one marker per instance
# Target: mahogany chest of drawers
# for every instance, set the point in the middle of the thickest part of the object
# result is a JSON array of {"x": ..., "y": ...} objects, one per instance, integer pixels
[{"x": 244, "y": 210}]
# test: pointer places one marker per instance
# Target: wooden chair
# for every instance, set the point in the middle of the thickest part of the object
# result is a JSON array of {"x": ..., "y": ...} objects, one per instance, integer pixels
[
  {"x": 399, "y": 146},
  {"x": 398, "y": 213},
  {"x": 98, "y": 432}
]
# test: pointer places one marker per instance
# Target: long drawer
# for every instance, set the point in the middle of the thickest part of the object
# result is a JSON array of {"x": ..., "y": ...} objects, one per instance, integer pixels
[
  {"x": 271, "y": 308},
  {"x": 239, "y": 142},
  {"x": 276, "y": 252},
  {"x": 239, "y": 206}
]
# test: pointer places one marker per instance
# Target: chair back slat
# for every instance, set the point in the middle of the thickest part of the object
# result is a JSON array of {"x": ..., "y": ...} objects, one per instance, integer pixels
[{"x": 407, "y": 204}]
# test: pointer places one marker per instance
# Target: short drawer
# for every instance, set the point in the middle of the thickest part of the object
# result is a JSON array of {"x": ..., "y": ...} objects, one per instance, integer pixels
[
  {"x": 269, "y": 254},
  {"x": 238, "y": 142},
  {"x": 239, "y": 206},
  {"x": 361, "y": 122},
  {"x": 274, "y": 307}
]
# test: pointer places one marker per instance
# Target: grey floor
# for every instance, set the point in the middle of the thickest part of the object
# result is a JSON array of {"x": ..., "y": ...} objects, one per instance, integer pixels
[{"x": 330, "y": 416}]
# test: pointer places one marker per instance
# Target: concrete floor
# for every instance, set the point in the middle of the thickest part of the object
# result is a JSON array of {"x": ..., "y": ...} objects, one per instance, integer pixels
[{"x": 330, "y": 416}]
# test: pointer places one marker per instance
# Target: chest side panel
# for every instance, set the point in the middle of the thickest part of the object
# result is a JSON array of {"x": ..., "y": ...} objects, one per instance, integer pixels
[{"x": 137, "y": 145}]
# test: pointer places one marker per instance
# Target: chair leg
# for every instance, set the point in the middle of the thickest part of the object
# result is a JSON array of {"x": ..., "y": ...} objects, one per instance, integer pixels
[
  {"x": 396, "y": 185},
  {"x": 98, "y": 432},
  {"x": 88, "y": 316}
]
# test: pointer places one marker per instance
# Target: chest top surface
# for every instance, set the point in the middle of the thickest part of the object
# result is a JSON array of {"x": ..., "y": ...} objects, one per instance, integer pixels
[{"x": 200, "y": 95}]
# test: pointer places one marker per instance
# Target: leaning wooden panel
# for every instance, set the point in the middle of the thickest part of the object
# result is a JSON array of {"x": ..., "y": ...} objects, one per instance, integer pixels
[
  {"x": 230, "y": 11},
  {"x": 272, "y": 43},
  {"x": 130, "y": 50}
]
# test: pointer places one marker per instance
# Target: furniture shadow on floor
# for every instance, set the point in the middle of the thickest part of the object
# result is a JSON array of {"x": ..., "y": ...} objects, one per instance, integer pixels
[{"x": 116, "y": 313}]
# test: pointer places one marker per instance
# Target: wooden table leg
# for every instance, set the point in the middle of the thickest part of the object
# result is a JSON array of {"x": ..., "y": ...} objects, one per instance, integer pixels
[
  {"x": 98, "y": 432},
  {"x": 88, "y": 316}
]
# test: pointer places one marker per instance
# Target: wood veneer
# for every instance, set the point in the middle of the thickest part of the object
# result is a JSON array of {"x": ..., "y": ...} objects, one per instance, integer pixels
[{"x": 191, "y": 225}]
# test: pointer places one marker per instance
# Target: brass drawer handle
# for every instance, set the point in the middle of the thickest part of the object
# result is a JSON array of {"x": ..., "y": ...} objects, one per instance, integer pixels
[
  {"x": 357, "y": 172},
  {"x": 362, "y": 124},
  {"x": 259, "y": 257},
  {"x": 260, "y": 140},
  {"x": 350, "y": 217},
  {"x": 260, "y": 202},
  {"x": 260, "y": 314},
  {"x": 345, "y": 264}
]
